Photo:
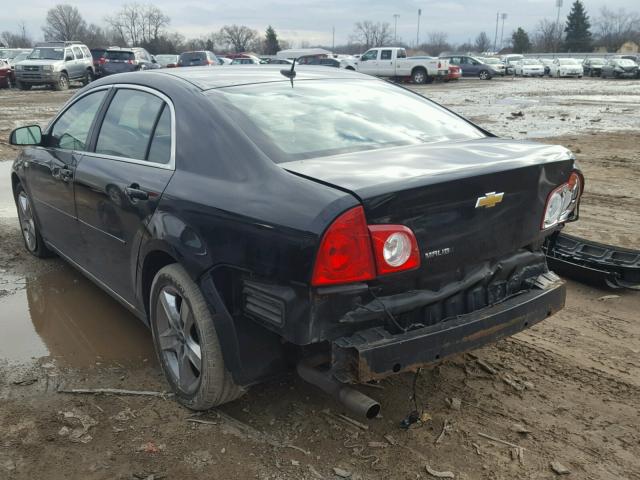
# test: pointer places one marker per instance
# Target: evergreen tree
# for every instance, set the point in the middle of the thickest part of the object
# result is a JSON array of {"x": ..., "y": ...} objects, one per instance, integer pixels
[
  {"x": 520, "y": 40},
  {"x": 578, "y": 38},
  {"x": 271, "y": 44}
]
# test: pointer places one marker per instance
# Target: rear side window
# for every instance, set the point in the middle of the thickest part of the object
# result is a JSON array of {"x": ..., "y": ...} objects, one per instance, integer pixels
[
  {"x": 119, "y": 55},
  {"x": 160, "y": 148},
  {"x": 78, "y": 52},
  {"x": 128, "y": 125},
  {"x": 71, "y": 130},
  {"x": 385, "y": 55}
]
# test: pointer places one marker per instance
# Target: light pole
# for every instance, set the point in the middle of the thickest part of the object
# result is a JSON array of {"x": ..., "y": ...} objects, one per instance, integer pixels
[
  {"x": 395, "y": 26},
  {"x": 418, "y": 32},
  {"x": 333, "y": 39},
  {"x": 559, "y": 32},
  {"x": 503, "y": 16},
  {"x": 495, "y": 38}
]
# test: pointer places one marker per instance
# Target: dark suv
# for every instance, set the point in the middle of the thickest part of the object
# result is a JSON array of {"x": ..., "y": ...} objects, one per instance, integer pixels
[
  {"x": 197, "y": 59},
  {"x": 120, "y": 60}
]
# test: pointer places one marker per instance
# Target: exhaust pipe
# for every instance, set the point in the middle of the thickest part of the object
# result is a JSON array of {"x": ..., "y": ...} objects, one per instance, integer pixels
[{"x": 357, "y": 402}]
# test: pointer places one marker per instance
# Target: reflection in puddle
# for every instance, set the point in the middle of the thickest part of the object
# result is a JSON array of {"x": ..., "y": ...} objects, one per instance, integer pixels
[
  {"x": 62, "y": 314},
  {"x": 7, "y": 206}
]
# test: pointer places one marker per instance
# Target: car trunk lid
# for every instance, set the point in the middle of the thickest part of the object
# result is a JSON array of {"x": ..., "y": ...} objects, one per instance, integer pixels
[{"x": 466, "y": 202}]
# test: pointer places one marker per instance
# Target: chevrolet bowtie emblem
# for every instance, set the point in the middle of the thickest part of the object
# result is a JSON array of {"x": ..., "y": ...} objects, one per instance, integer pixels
[{"x": 489, "y": 200}]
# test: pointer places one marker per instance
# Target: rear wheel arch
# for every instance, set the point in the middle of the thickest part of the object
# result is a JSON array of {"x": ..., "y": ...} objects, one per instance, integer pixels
[{"x": 154, "y": 261}]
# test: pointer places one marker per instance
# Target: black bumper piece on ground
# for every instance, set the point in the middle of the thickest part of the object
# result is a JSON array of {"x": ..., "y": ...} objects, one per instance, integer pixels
[
  {"x": 375, "y": 353},
  {"x": 592, "y": 262}
]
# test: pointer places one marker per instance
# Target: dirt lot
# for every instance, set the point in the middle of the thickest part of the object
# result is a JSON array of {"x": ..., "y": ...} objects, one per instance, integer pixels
[{"x": 567, "y": 390}]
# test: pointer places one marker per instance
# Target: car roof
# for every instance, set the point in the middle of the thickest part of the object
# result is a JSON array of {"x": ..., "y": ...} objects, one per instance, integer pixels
[{"x": 207, "y": 78}]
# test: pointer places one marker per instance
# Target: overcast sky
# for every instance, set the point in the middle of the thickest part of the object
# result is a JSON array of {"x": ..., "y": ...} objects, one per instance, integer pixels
[{"x": 298, "y": 20}]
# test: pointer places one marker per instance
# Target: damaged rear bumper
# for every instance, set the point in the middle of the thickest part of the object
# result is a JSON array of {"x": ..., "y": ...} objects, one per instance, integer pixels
[{"x": 375, "y": 353}]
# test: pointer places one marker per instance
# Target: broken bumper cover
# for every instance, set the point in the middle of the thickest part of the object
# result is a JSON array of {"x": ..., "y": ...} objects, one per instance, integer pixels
[
  {"x": 592, "y": 262},
  {"x": 375, "y": 353}
]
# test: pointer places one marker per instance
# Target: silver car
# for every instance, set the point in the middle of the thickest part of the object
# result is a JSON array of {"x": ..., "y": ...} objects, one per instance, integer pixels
[{"x": 55, "y": 64}]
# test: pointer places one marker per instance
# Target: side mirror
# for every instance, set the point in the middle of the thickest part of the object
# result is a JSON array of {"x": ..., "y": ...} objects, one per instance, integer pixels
[
  {"x": 153, "y": 59},
  {"x": 31, "y": 135}
]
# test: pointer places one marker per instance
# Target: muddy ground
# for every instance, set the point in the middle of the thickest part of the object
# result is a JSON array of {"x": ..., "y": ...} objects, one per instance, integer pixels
[{"x": 566, "y": 391}]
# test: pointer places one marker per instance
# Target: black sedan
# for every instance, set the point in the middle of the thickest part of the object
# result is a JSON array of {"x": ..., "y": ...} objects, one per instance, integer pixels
[
  {"x": 592, "y": 67},
  {"x": 257, "y": 218}
]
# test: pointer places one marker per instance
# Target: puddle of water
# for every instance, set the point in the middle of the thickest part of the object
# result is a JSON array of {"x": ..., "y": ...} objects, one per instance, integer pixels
[
  {"x": 7, "y": 206},
  {"x": 63, "y": 315}
]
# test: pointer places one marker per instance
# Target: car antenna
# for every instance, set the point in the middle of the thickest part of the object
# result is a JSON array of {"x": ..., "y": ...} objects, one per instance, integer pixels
[{"x": 290, "y": 73}]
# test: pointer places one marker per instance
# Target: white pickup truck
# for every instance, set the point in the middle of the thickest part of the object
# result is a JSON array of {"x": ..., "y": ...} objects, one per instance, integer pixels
[{"x": 393, "y": 62}]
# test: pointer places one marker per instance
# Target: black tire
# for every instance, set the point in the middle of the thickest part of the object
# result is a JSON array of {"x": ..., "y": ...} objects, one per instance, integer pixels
[
  {"x": 23, "y": 86},
  {"x": 484, "y": 75},
  {"x": 419, "y": 76},
  {"x": 62, "y": 83},
  {"x": 33, "y": 241},
  {"x": 198, "y": 387},
  {"x": 88, "y": 77}
]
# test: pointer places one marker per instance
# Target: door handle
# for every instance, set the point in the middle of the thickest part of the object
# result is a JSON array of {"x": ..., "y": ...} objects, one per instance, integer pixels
[
  {"x": 65, "y": 174},
  {"x": 134, "y": 192}
]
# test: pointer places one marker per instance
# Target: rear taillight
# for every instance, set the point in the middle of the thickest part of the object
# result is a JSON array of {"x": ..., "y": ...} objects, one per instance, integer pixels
[
  {"x": 351, "y": 251},
  {"x": 210, "y": 62},
  {"x": 439, "y": 65},
  {"x": 562, "y": 202},
  {"x": 395, "y": 248},
  {"x": 345, "y": 251},
  {"x": 131, "y": 62},
  {"x": 102, "y": 60}
]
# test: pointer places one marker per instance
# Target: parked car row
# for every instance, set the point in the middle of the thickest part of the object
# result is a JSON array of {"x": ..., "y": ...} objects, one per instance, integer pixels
[{"x": 614, "y": 67}]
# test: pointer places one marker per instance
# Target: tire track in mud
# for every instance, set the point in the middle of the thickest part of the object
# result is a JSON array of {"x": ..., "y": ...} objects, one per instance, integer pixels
[{"x": 599, "y": 381}]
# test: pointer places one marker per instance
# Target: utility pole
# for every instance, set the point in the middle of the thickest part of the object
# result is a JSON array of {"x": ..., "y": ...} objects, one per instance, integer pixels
[
  {"x": 418, "y": 32},
  {"x": 559, "y": 32},
  {"x": 503, "y": 16},
  {"x": 333, "y": 39},
  {"x": 495, "y": 38},
  {"x": 395, "y": 26}
]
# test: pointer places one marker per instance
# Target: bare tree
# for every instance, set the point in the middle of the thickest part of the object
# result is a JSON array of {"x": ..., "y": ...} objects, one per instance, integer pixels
[
  {"x": 482, "y": 43},
  {"x": 21, "y": 39},
  {"x": 139, "y": 24},
  {"x": 64, "y": 22},
  {"x": 436, "y": 43},
  {"x": 371, "y": 35},
  {"x": 547, "y": 36},
  {"x": 240, "y": 37},
  {"x": 615, "y": 28}
]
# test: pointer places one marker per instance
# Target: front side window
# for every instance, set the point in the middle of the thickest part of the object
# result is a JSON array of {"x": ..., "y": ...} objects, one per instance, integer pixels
[
  {"x": 326, "y": 117},
  {"x": 71, "y": 130},
  {"x": 128, "y": 124},
  {"x": 370, "y": 55}
]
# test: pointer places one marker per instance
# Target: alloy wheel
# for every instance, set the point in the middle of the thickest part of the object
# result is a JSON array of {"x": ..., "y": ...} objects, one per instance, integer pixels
[
  {"x": 179, "y": 340},
  {"x": 27, "y": 223},
  {"x": 418, "y": 77}
]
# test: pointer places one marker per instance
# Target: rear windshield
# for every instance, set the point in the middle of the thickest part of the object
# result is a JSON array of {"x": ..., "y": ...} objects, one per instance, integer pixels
[
  {"x": 96, "y": 54},
  {"x": 626, "y": 62},
  {"x": 119, "y": 55},
  {"x": 326, "y": 117},
  {"x": 567, "y": 61},
  {"x": 189, "y": 57},
  {"x": 596, "y": 61},
  {"x": 47, "y": 53}
]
